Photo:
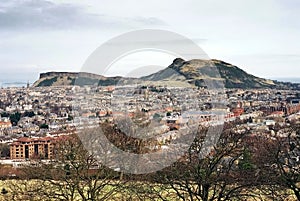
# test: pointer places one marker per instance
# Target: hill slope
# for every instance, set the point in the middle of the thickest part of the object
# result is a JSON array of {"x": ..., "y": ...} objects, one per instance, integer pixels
[{"x": 202, "y": 72}]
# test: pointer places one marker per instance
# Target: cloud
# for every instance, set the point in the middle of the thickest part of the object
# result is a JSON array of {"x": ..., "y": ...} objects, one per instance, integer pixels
[
  {"x": 43, "y": 14},
  {"x": 147, "y": 21}
]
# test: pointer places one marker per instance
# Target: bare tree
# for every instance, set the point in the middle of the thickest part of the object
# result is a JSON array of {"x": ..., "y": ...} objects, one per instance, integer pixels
[
  {"x": 72, "y": 174},
  {"x": 279, "y": 160},
  {"x": 214, "y": 177}
]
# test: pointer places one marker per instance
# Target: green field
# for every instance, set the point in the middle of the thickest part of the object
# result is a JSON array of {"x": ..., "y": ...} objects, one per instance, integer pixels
[{"x": 30, "y": 190}]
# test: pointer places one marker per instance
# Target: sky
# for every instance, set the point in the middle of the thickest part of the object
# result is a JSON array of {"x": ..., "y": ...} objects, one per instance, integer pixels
[{"x": 261, "y": 37}]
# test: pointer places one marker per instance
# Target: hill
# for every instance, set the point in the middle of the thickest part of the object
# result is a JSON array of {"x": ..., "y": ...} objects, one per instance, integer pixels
[
  {"x": 195, "y": 72},
  {"x": 74, "y": 78},
  {"x": 201, "y": 72}
]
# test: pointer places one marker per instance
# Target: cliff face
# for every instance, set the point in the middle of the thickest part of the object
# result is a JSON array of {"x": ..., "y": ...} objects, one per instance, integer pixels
[
  {"x": 57, "y": 74},
  {"x": 71, "y": 74},
  {"x": 73, "y": 78}
]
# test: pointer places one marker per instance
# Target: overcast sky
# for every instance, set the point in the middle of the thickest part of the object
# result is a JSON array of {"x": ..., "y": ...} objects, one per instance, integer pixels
[{"x": 261, "y": 37}]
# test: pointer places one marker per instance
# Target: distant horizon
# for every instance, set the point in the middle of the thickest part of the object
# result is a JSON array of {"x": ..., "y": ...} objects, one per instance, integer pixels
[{"x": 286, "y": 79}]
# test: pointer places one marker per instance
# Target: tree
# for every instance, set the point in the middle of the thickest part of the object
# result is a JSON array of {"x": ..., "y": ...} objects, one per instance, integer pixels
[
  {"x": 44, "y": 126},
  {"x": 70, "y": 118},
  {"x": 280, "y": 162},
  {"x": 4, "y": 150},
  {"x": 15, "y": 118},
  {"x": 288, "y": 162},
  {"x": 214, "y": 177},
  {"x": 28, "y": 114},
  {"x": 245, "y": 162},
  {"x": 72, "y": 174}
]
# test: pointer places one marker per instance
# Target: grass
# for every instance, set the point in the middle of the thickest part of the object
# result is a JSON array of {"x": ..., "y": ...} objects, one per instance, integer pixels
[{"x": 26, "y": 190}]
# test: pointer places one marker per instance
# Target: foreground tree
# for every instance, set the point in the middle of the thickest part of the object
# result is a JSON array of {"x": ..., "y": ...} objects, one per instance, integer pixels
[
  {"x": 279, "y": 160},
  {"x": 240, "y": 166},
  {"x": 73, "y": 174},
  {"x": 216, "y": 176}
]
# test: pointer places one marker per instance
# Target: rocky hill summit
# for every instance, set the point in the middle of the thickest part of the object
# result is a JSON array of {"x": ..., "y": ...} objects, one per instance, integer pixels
[{"x": 200, "y": 72}]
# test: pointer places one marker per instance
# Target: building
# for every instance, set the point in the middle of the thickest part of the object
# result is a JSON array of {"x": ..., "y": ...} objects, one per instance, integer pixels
[
  {"x": 5, "y": 123},
  {"x": 238, "y": 110},
  {"x": 28, "y": 148}
]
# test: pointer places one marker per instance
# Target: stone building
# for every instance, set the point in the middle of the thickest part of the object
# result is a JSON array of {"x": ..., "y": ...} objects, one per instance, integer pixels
[{"x": 28, "y": 148}]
